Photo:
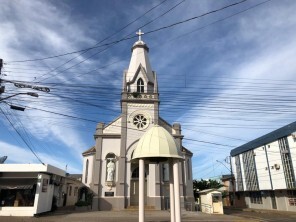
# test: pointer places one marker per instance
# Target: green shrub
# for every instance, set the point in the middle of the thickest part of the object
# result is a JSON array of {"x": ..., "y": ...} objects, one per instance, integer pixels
[{"x": 81, "y": 203}]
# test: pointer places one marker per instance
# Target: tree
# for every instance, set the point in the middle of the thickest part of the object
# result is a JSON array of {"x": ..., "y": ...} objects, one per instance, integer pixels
[{"x": 199, "y": 185}]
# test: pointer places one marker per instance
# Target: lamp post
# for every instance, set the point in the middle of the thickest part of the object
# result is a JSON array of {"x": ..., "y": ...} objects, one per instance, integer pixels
[{"x": 27, "y": 93}]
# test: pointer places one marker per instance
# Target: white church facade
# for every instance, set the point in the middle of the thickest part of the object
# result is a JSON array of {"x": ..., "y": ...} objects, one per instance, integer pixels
[{"x": 108, "y": 169}]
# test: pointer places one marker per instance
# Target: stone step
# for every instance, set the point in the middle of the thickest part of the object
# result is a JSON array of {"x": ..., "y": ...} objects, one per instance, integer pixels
[{"x": 136, "y": 208}]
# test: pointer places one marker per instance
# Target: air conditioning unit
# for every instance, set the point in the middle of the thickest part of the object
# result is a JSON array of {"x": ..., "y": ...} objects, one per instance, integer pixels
[{"x": 277, "y": 166}]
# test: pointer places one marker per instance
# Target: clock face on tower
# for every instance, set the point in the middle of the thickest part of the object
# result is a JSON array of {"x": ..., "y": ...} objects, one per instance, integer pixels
[{"x": 140, "y": 121}]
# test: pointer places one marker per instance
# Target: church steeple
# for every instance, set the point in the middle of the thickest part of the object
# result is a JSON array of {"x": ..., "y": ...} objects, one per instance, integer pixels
[{"x": 139, "y": 76}]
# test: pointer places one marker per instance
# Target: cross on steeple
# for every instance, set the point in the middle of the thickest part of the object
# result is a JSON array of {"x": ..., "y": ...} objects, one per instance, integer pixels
[{"x": 139, "y": 33}]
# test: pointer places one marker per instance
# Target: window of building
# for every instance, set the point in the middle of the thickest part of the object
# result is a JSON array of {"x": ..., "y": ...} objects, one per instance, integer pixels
[
  {"x": 250, "y": 170},
  {"x": 165, "y": 172},
  {"x": 292, "y": 197},
  {"x": 140, "y": 85},
  {"x": 75, "y": 191},
  {"x": 135, "y": 173},
  {"x": 44, "y": 185},
  {"x": 239, "y": 180},
  {"x": 19, "y": 196},
  {"x": 287, "y": 162},
  {"x": 140, "y": 121},
  {"x": 188, "y": 169},
  {"x": 255, "y": 197},
  {"x": 70, "y": 190},
  {"x": 86, "y": 171}
]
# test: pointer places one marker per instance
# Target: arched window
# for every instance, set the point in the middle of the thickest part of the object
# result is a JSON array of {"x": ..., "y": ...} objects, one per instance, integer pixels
[
  {"x": 165, "y": 172},
  {"x": 188, "y": 169},
  {"x": 135, "y": 173},
  {"x": 86, "y": 171},
  {"x": 140, "y": 85}
]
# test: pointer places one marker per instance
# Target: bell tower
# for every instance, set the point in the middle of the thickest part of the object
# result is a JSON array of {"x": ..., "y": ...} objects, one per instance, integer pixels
[
  {"x": 139, "y": 109},
  {"x": 140, "y": 88}
]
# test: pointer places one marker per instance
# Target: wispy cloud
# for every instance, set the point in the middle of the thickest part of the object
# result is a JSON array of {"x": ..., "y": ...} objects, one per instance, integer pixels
[
  {"x": 18, "y": 154},
  {"x": 207, "y": 78}
]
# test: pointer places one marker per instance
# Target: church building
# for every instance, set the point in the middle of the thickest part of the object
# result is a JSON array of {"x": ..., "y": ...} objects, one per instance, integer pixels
[{"x": 108, "y": 169}]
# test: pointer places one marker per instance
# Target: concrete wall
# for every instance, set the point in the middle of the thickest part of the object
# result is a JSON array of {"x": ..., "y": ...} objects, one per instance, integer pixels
[
  {"x": 262, "y": 169},
  {"x": 281, "y": 199},
  {"x": 31, "y": 168},
  {"x": 292, "y": 145},
  {"x": 274, "y": 157},
  {"x": 18, "y": 211},
  {"x": 43, "y": 199}
]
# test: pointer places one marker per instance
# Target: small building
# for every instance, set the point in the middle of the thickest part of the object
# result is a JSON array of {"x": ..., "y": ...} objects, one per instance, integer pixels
[
  {"x": 264, "y": 171},
  {"x": 227, "y": 189},
  {"x": 211, "y": 201},
  {"x": 29, "y": 189},
  {"x": 72, "y": 189}
]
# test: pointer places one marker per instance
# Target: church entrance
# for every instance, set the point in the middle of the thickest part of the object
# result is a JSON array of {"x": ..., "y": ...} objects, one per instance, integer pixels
[{"x": 134, "y": 187}]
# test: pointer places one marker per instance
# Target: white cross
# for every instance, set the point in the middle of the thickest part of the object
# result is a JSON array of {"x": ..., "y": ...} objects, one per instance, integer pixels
[{"x": 139, "y": 33}]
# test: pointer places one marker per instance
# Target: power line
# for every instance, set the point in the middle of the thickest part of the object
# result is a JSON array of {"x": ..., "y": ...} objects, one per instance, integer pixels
[
  {"x": 147, "y": 32},
  {"x": 16, "y": 130}
]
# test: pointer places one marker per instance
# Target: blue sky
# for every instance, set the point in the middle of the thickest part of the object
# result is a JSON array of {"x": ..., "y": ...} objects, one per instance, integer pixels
[{"x": 227, "y": 77}]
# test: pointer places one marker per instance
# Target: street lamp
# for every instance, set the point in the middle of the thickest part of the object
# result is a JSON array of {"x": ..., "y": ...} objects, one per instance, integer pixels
[
  {"x": 224, "y": 165},
  {"x": 19, "y": 107}
]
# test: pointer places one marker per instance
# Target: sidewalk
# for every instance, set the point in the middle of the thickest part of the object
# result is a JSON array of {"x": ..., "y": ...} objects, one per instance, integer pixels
[{"x": 261, "y": 210}]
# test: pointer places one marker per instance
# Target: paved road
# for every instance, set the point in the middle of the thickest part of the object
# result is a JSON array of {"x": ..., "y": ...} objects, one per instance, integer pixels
[
  {"x": 157, "y": 216},
  {"x": 123, "y": 216}
]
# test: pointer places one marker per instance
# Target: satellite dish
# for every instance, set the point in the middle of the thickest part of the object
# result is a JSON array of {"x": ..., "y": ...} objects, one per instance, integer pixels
[{"x": 2, "y": 159}]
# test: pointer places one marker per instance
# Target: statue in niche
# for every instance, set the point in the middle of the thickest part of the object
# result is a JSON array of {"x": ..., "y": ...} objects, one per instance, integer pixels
[{"x": 110, "y": 170}]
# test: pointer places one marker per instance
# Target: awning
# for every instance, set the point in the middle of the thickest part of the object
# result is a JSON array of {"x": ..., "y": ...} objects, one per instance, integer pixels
[
  {"x": 16, "y": 183},
  {"x": 18, "y": 187}
]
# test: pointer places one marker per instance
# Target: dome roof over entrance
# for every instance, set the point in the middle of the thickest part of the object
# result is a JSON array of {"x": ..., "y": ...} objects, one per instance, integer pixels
[{"x": 157, "y": 145}]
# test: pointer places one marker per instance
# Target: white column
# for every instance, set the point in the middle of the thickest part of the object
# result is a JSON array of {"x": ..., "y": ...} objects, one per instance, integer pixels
[
  {"x": 141, "y": 190},
  {"x": 177, "y": 191},
  {"x": 172, "y": 198}
]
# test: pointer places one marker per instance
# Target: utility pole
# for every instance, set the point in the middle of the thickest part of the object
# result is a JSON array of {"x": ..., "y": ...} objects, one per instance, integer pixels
[
  {"x": 231, "y": 176},
  {"x": 2, "y": 88},
  {"x": 232, "y": 181}
]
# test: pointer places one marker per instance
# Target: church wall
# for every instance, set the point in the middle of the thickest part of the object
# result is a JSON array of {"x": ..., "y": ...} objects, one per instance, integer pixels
[
  {"x": 166, "y": 126},
  {"x": 188, "y": 184},
  {"x": 114, "y": 127},
  {"x": 133, "y": 109},
  {"x": 110, "y": 145}
]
